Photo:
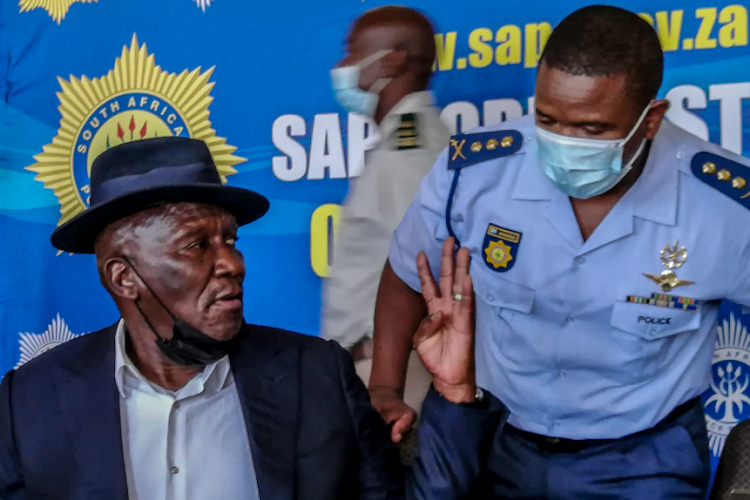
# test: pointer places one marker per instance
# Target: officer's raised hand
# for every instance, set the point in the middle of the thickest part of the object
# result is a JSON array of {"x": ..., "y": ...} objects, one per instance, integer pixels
[{"x": 445, "y": 338}]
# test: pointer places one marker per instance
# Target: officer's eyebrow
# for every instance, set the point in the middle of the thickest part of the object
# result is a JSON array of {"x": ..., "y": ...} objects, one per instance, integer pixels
[{"x": 589, "y": 124}]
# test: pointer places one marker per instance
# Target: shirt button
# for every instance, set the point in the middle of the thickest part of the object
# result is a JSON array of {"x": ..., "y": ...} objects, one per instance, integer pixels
[
  {"x": 569, "y": 319},
  {"x": 652, "y": 332},
  {"x": 177, "y": 405},
  {"x": 490, "y": 297},
  {"x": 580, "y": 260},
  {"x": 681, "y": 155},
  {"x": 174, "y": 470},
  {"x": 562, "y": 374}
]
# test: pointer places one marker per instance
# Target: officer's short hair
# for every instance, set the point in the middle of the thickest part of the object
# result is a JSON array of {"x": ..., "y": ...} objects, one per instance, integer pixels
[{"x": 602, "y": 40}]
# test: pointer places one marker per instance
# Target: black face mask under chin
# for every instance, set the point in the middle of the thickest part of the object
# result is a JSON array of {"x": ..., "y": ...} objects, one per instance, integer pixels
[{"x": 188, "y": 345}]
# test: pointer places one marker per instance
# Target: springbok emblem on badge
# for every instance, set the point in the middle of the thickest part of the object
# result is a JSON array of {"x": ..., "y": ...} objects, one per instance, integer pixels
[{"x": 672, "y": 257}]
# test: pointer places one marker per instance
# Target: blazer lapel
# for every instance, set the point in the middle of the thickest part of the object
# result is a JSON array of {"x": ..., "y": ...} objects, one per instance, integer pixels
[
  {"x": 90, "y": 412},
  {"x": 266, "y": 374}
]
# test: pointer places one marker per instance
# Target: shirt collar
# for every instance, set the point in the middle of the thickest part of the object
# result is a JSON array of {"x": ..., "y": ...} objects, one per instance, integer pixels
[
  {"x": 212, "y": 379},
  {"x": 412, "y": 103},
  {"x": 654, "y": 195}
]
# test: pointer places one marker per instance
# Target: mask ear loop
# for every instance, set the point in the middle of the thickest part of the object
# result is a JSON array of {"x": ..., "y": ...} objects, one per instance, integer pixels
[
  {"x": 380, "y": 84},
  {"x": 638, "y": 124},
  {"x": 372, "y": 58},
  {"x": 626, "y": 168},
  {"x": 140, "y": 310}
]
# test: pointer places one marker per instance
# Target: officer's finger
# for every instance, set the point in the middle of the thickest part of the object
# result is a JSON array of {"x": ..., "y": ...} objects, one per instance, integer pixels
[
  {"x": 447, "y": 263},
  {"x": 428, "y": 328},
  {"x": 466, "y": 309},
  {"x": 462, "y": 269},
  {"x": 429, "y": 287},
  {"x": 401, "y": 427}
]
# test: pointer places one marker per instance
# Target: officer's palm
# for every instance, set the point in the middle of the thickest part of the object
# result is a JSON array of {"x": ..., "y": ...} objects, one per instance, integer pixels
[{"x": 445, "y": 339}]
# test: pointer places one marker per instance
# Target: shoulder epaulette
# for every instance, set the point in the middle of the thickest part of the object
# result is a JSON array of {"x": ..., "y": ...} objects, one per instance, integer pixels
[
  {"x": 469, "y": 149},
  {"x": 407, "y": 135},
  {"x": 728, "y": 176}
]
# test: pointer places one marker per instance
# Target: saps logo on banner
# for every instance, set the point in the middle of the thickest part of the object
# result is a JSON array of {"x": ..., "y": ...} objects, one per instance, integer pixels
[
  {"x": 135, "y": 100},
  {"x": 33, "y": 344}
]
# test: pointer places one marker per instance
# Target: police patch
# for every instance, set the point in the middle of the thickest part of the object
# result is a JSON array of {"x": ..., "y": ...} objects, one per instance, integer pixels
[{"x": 501, "y": 248}]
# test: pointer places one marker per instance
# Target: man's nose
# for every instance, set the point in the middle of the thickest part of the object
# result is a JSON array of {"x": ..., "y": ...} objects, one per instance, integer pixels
[{"x": 229, "y": 262}]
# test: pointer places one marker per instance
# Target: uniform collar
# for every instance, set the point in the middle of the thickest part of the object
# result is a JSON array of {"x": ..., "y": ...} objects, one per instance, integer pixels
[
  {"x": 211, "y": 380},
  {"x": 654, "y": 195},
  {"x": 412, "y": 103}
]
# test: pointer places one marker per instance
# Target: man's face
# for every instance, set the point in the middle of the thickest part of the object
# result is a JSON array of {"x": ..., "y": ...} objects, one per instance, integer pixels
[
  {"x": 591, "y": 107},
  {"x": 362, "y": 42},
  {"x": 189, "y": 259}
]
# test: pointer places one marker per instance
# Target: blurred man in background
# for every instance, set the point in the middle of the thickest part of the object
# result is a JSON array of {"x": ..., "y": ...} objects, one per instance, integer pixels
[{"x": 385, "y": 75}]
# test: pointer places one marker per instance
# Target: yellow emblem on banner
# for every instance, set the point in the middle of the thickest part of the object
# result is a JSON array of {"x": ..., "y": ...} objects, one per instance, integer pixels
[
  {"x": 136, "y": 100},
  {"x": 57, "y": 9}
]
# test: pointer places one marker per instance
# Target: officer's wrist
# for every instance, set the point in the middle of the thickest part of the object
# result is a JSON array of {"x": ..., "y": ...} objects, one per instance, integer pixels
[{"x": 457, "y": 394}]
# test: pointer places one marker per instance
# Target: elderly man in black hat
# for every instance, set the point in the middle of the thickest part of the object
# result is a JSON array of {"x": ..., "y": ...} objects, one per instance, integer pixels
[{"x": 181, "y": 399}]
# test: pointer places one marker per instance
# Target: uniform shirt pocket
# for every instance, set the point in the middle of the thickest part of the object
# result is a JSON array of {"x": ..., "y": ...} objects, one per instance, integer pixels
[
  {"x": 501, "y": 305},
  {"x": 500, "y": 293},
  {"x": 647, "y": 337},
  {"x": 653, "y": 322}
]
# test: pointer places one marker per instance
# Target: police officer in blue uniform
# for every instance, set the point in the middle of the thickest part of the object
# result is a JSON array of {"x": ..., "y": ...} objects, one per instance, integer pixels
[{"x": 602, "y": 240}]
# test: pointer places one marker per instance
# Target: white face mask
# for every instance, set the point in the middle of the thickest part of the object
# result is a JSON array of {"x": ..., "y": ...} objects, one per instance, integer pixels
[
  {"x": 345, "y": 82},
  {"x": 583, "y": 168}
]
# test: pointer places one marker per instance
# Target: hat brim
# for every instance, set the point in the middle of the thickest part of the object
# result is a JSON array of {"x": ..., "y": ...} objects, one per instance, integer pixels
[{"x": 79, "y": 234}]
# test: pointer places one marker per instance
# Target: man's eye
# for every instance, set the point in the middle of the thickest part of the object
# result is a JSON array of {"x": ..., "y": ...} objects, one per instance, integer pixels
[
  {"x": 197, "y": 244},
  {"x": 593, "y": 131}
]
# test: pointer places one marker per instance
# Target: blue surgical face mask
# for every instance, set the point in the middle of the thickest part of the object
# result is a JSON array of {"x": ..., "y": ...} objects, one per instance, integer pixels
[
  {"x": 583, "y": 168},
  {"x": 345, "y": 82}
]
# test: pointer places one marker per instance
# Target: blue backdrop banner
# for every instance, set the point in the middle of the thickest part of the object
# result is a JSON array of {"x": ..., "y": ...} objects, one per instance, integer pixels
[{"x": 251, "y": 79}]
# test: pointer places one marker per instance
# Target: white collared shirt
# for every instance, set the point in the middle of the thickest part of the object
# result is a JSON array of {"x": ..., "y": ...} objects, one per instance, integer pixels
[{"x": 186, "y": 444}]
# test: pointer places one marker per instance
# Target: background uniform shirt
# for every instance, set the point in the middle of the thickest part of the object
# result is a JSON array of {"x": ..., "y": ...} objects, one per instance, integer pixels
[
  {"x": 557, "y": 340},
  {"x": 372, "y": 210},
  {"x": 190, "y": 444}
]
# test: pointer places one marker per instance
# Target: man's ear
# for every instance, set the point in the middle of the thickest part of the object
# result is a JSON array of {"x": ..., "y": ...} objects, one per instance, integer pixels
[
  {"x": 393, "y": 64},
  {"x": 655, "y": 117},
  {"x": 119, "y": 279}
]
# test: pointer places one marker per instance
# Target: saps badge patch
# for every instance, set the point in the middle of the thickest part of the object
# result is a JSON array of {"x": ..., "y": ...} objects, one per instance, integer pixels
[{"x": 501, "y": 248}]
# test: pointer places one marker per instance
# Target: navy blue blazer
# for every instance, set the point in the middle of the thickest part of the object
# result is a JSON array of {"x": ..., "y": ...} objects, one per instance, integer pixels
[{"x": 311, "y": 428}]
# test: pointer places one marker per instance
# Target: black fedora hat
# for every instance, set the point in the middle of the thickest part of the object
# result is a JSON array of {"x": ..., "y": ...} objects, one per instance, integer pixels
[{"x": 133, "y": 176}]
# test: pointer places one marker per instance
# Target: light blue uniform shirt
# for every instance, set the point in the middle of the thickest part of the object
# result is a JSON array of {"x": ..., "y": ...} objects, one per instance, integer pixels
[{"x": 556, "y": 338}]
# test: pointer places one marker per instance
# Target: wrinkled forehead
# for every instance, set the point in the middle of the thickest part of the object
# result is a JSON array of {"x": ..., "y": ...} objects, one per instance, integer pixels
[
  {"x": 163, "y": 223},
  {"x": 571, "y": 97},
  {"x": 369, "y": 36}
]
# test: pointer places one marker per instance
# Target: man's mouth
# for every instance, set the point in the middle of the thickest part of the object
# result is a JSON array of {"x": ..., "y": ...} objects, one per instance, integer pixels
[{"x": 230, "y": 300}]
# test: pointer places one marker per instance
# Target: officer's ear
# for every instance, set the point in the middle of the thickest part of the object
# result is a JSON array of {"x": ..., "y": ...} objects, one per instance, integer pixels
[
  {"x": 393, "y": 63},
  {"x": 655, "y": 117}
]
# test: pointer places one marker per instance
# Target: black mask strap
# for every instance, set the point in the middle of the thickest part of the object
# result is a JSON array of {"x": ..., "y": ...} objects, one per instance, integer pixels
[{"x": 188, "y": 345}]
